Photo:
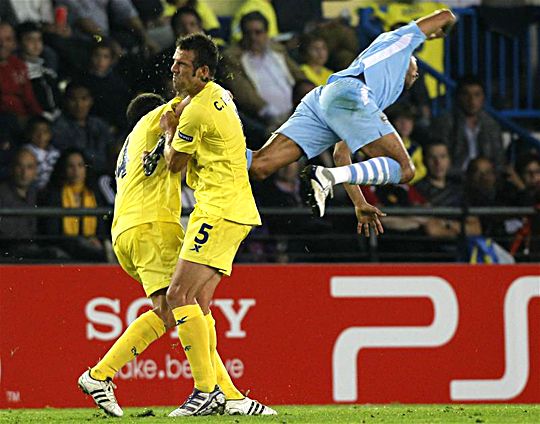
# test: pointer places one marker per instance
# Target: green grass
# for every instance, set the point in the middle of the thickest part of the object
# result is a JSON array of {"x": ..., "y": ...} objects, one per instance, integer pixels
[{"x": 299, "y": 414}]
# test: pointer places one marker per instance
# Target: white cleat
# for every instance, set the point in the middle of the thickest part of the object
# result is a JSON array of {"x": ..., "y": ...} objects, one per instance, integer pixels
[
  {"x": 319, "y": 182},
  {"x": 201, "y": 403},
  {"x": 247, "y": 406},
  {"x": 102, "y": 392}
]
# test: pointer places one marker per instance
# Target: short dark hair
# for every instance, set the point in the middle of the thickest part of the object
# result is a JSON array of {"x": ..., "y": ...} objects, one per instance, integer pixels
[
  {"x": 74, "y": 85},
  {"x": 467, "y": 80},
  {"x": 401, "y": 110},
  {"x": 26, "y": 27},
  {"x": 432, "y": 143},
  {"x": 141, "y": 105},
  {"x": 206, "y": 51},
  {"x": 253, "y": 16},
  {"x": 35, "y": 120},
  {"x": 102, "y": 44},
  {"x": 185, "y": 10}
]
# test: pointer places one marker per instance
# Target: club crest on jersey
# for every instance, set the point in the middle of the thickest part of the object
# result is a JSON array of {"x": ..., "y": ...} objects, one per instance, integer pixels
[{"x": 184, "y": 136}]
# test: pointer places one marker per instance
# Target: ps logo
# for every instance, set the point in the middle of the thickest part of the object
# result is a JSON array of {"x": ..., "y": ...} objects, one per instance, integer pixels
[{"x": 440, "y": 332}]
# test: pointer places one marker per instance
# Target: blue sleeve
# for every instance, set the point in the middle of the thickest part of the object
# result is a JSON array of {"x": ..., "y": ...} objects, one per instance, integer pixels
[{"x": 411, "y": 28}]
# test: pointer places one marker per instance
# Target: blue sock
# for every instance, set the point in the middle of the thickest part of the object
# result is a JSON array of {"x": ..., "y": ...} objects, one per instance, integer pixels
[
  {"x": 249, "y": 157},
  {"x": 375, "y": 171}
]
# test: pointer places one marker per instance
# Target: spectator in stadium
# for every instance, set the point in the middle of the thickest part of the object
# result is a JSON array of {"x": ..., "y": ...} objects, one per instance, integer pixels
[
  {"x": 468, "y": 130},
  {"x": 110, "y": 93},
  {"x": 157, "y": 77},
  {"x": 41, "y": 70},
  {"x": 401, "y": 115},
  {"x": 17, "y": 233},
  {"x": 19, "y": 192},
  {"x": 39, "y": 134},
  {"x": 16, "y": 93},
  {"x": 209, "y": 21},
  {"x": 439, "y": 189},
  {"x": 77, "y": 128},
  {"x": 341, "y": 40},
  {"x": 70, "y": 186},
  {"x": 262, "y": 73},
  {"x": 300, "y": 89},
  {"x": 117, "y": 19},
  {"x": 482, "y": 189},
  {"x": 264, "y": 7},
  {"x": 314, "y": 55}
]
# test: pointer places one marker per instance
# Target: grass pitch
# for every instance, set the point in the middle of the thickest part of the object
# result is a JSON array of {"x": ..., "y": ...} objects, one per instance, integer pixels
[{"x": 297, "y": 414}]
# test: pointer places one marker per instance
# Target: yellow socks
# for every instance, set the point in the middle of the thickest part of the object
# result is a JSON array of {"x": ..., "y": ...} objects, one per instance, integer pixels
[
  {"x": 193, "y": 333},
  {"x": 223, "y": 379},
  {"x": 141, "y": 333}
]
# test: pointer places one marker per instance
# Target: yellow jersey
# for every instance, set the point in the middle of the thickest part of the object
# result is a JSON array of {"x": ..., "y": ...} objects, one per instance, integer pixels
[
  {"x": 314, "y": 77},
  {"x": 211, "y": 132},
  {"x": 141, "y": 199}
]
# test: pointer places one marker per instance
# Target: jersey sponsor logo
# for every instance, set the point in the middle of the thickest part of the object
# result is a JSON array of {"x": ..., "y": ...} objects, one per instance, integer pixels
[{"x": 185, "y": 136}]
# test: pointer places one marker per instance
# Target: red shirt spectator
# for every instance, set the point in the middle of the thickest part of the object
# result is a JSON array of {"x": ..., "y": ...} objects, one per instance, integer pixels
[{"x": 16, "y": 94}]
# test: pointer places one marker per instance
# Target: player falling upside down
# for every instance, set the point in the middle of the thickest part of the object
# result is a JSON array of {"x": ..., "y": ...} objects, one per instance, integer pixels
[
  {"x": 209, "y": 140},
  {"x": 147, "y": 238},
  {"x": 349, "y": 108}
]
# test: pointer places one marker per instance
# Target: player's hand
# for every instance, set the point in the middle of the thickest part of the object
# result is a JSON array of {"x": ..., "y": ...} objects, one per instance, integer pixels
[
  {"x": 168, "y": 122},
  {"x": 369, "y": 216}
]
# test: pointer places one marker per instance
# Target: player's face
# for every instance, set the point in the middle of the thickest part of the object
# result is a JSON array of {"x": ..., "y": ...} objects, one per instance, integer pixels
[
  {"x": 184, "y": 73},
  {"x": 471, "y": 99},
  {"x": 75, "y": 169},
  {"x": 438, "y": 161},
  {"x": 412, "y": 73},
  {"x": 24, "y": 170},
  {"x": 7, "y": 42}
]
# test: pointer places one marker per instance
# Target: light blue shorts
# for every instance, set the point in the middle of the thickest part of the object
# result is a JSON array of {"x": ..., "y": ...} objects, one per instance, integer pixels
[{"x": 342, "y": 110}]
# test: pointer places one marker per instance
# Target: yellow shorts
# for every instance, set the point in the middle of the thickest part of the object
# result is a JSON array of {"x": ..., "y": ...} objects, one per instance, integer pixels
[
  {"x": 149, "y": 253},
  {"x": 212, "y": 240}
]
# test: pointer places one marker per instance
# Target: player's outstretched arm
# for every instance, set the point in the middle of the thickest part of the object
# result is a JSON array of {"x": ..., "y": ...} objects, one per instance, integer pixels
[
  {"x": 437, "y": 24},
  {"x": 366, "y": 214}
]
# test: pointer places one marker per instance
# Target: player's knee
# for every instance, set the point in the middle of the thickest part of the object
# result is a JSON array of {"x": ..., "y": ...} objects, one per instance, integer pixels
[
  {"x": 407, "y": 172},
  {"x": 176, "y": 297}
]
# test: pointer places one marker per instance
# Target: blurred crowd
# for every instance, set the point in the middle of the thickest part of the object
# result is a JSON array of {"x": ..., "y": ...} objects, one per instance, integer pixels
[{"x": 69, "y": 68}]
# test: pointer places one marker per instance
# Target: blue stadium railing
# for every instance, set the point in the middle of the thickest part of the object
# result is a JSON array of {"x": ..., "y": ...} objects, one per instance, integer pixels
[{"x": 503, "y": 62}]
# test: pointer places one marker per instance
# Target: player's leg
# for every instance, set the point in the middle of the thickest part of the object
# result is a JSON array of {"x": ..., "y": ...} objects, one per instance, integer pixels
[
  {"x": 276, "y": 153},
  {"x": 304, "y": 133},
  {"x": 147, "y": 253},
  {"x": 353, "y": 115}
]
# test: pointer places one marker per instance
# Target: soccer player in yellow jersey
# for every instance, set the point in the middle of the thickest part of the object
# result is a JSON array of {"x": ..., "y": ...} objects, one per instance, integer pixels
[
  {"x": 209, "y": 140},
  {"x": 147, "y": 238}
]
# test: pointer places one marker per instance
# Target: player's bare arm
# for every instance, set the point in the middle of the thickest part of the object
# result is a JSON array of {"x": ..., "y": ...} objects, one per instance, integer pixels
[
  {"x": 437, "y": 24},
  {"x": 367, "y": 215},
  {"x": 176, "y": 161}
]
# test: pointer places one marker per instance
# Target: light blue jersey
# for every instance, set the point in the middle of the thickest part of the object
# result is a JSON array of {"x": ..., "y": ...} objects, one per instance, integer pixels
[
  {"x": 349, "y": 108},
  {"x": 385, "y": 62}
]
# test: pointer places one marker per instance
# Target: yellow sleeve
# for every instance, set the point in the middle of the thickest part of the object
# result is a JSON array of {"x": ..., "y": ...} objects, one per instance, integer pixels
[{"x": 190, "y": 130}]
